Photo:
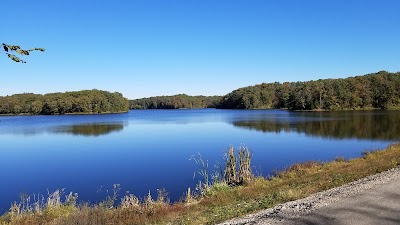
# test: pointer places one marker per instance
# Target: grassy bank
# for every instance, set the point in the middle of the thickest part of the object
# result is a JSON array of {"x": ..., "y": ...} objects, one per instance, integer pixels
[{"x": 219, "y": 201}]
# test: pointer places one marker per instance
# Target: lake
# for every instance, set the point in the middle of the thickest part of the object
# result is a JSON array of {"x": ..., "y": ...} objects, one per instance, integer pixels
[{"x": 146, "y": 150}]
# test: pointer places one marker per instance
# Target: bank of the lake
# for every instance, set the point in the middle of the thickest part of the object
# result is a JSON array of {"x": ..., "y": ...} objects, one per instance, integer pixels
[{"x": 220, "y": 202}]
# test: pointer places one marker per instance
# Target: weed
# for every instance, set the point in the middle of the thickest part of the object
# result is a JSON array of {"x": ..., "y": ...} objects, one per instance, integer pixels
[
  {"x": 238, "y": 174},
  {"x": 230, "y": 168},
  {"x": 340, "y": 159},
  {"x": 188, "y": 196},
  {"x": 130, "y": 201},
  {"x": 202, "y": 187},
  {"x": 244, "y": 173},
  {"x": 110, "y": 200}
]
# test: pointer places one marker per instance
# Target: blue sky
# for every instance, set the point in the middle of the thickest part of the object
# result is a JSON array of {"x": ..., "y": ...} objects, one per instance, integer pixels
[{"x": 145, "y": 48}]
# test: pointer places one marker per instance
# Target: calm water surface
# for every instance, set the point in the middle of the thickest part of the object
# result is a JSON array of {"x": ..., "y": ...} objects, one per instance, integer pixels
[{"x": 150, "y": 149}]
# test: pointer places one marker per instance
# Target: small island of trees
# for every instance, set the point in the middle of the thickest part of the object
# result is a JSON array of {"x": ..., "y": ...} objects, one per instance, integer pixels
[{"x": 76, "y": 102}]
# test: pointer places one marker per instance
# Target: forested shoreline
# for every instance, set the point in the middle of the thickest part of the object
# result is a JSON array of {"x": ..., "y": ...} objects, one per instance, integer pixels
[
  {"x": 372, "y": 91},
  {"x": 181, "y": 101},
  {"x": 75, "y": 102},
  {"x": 379, "y": 90}
]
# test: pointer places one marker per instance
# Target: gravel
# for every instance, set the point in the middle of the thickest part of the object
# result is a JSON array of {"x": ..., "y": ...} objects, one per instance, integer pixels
[{"x": 307, "y": 205}]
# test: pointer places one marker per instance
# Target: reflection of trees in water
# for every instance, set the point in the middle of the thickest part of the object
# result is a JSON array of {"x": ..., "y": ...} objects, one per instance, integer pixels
[
  {"x": 372, "y": 125},
  {"x": 95, "y": 129}
]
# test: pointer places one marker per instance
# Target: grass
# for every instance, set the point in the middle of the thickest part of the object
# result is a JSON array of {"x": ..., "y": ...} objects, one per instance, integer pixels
[{"x": 221, "y": 201}]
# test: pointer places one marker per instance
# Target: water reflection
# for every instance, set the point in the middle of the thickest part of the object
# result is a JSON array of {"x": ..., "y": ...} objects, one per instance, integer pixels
[
  {"x": 95, "y": 129},
  {"x": 338, "y": 125},
  {"x": 90, "y": 129}
]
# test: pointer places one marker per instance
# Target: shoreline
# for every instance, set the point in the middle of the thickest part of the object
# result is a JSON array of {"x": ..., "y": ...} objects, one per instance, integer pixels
[{"x": 121, "y": 112}]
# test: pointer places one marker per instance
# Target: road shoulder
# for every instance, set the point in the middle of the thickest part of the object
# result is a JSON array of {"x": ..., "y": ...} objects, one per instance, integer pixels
[{"x": 376, "y": 197}]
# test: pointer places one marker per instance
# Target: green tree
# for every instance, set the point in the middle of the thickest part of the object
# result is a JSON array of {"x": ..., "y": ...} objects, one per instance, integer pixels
[
  {"x": 87, "y": 101},
  {"x": 36, "y": 107},
  {"x": 378, "y": 90},
  {"x": 175, "y": 102}
]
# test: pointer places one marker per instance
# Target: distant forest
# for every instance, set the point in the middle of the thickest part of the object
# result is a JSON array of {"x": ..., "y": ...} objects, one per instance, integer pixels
[
  {"x": 87, "y": 101},
  {"x": 372, "y": 91},
  {"x": 180, "y": 101},
  {"x": 378, "y": 90}
]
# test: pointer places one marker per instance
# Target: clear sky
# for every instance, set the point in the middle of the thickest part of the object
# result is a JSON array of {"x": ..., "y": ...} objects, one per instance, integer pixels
[{"x": 145, "y": 48}]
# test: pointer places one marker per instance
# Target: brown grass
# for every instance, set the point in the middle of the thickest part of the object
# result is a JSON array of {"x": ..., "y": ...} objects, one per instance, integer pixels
[{"x": 223, "y": 202}]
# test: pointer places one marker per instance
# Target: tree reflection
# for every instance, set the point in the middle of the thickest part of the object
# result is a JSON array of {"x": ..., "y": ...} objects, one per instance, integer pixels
[
  {"x": 339, "y": 125},
  {"x": 94, "y": 129}
]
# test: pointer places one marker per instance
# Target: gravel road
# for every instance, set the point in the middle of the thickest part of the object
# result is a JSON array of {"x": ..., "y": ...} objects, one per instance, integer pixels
[{"x": 371, "y": 200}]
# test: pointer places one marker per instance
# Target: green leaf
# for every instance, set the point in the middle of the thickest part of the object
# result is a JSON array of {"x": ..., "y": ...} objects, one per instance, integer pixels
[
  {"x": 22, "y": 52},
  {"x": 37, "y": 49},
  {"x": 15, "y": 58},
  {"x": 13, "y": 47},
  {"x": 5, "y": 47},
  {"x": 40, "y": 49}
]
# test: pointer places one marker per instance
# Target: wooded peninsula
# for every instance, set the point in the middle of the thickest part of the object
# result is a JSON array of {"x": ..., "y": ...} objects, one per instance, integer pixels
[{"x": 75, "y": 102}]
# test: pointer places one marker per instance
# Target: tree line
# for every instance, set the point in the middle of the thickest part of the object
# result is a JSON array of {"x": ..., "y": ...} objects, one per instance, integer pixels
[
  {"x": 86, "y": 101},
  {"x": 176, "y": 102},
  {"x": 378, "y": 90}
]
